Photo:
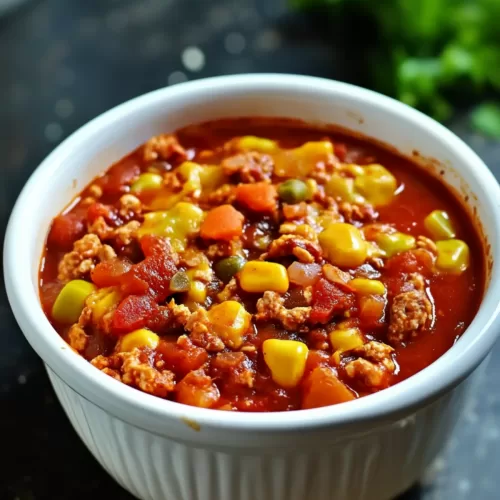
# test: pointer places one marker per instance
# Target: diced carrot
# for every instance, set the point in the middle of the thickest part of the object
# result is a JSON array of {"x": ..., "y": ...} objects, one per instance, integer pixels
[
  {"x": 222, "y": 223},
  {"x": 323, "y": 388},
  {"x": 259, "y": 197}
]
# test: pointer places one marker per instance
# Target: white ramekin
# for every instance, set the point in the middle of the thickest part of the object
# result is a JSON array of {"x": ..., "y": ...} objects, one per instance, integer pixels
[{"x": 372, "y": 448}]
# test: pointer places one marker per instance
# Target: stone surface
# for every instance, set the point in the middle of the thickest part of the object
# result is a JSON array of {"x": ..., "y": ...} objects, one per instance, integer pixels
[{"x": 64, "y": 62}]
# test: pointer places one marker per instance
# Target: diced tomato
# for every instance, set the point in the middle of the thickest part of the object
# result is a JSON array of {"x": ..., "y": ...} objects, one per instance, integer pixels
[
  {"x": 119, "y": 176},
  {"x": 154, "y": 272},
  {"x": 329, "y": 299},
  {"x": 340, "y": 150},
  {"x": 182, "y": 356},
  {"x": 132, "y": 313},
  {"x": 97, "y": 209},
  {"x": 66, "y": 229},
  {"x": 110, "y": 272}
]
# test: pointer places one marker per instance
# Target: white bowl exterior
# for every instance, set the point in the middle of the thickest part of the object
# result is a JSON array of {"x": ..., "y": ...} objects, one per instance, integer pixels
[
  {"x": 374, "y": 465},
  {"x": 376, "y": 446}
]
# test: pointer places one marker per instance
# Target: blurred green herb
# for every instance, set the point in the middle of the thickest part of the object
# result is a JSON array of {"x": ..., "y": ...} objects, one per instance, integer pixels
[{"x": 431, "y": 54}]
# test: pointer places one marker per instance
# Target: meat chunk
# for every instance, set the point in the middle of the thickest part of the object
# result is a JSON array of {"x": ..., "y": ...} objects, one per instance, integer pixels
[
  {"x": 226, "y": 194},
  {"x": 127, "y": 233},
  {"x": 270, "y": 307},
  {"x": 163, "y": 147},
  {"x": 250, "y": 167},
  {"x": 82, "y": 259},
  {"x": 77, "y": 338},
  {"x": 224, "y": 249},
  {"x": 135, "y": 369},
  {"x": 179, "y": 312},
  {"x": 197, "y": 389},
  {"x": 374, "y": 365},
  {"x": 410, "y": 313},
  {"x": 290, "y": 244},
  {"x": 233, "y": 369},
  {"x": 357, "y": 213},
  {"x": 199, "y": 326},
  {"x": 130, "y": 205},
  {"x": 411, "y": 310}
]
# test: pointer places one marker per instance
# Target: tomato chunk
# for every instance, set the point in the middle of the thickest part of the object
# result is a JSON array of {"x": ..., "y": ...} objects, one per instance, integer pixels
[
  {"x": 329, "y": 299},
  {"x": 110, "y": 272},
  {"x": 133, "y": 313},
  {"x": 65, "y": 230},
  {"x": 154, "y": 273}
]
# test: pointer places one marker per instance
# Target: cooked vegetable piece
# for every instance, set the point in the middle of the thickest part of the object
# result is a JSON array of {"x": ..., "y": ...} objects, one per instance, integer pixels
[
  {"x": 293, "y": 191},
  {"x": 367, "y": 286},
  {"x": 259, "y": 276},
  {"x": 197, "y": 293},
  {"x": 345, "y": 338},
  {"x": 377, "y": 185},
  {"x": 439, "y": 225},
  {"x": 301, "y": 161},
  {"x": 138, "y": 339},
  {"x": 286, "y": 360},
  {"x": 453, "y": 256},
  {"x": 343, "y": 245},
  {"x": 323, "y": 388},
  {"x": 71, "y": 301},
  {"x": 252, "y": 143},
  {"x": 222, "y": 223},
  {"x": 228, "y": 267},
  {"x": 103, "y": 301},
  {"x": 259, "y": 197},
  {"x": 230, "y": 321},
  {"x": 328, "y": 299},
  {"x": 304, "y": 274},
  {"x": 180, "y": 282},
  {"x": 395, "y": 243},
  {"x": 177, "y": 224},
  {"x": 340, "y": 187},
  {"x": 212, "y": 177},
  {"x": 147, "y": 182}
]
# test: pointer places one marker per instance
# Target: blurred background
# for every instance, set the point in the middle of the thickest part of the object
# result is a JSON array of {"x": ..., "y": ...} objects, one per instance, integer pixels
[{"x": 63, "y": 62}]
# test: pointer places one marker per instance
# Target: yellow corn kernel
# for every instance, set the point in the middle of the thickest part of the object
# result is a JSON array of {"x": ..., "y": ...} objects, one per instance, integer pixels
[
  {"x": 259, "y": 276},
  {"x": 439, "y": 225},
  {"x": 299, "y": 162},
  {"x": 352, "y": 169},
  {"x": 252, "y": 143},
  {"x": 343, "y": 245},
  {"x": 395, "y": 243},
  {"x": 377, "y": 185},
  {"x": 345, "y": 339},
  {"x": 312, "y": 188},
  {"x": 177, "y": 224},
  {"x": 138, "y": 338},
  {"x": 197, "y": 292},
  {"x": 453, "y": 256},
  {"x": 212, "y": 177},
  {"x": 230, "y": 321},
  {"x": 70, "y": 302},
  {"x": 286, "y": 360},
  {"x": 343, "y": 188},
  {"x": 102, "y": 301},
  {"x": 367, "y": 287},
  {"x": 147, "y": 182}
]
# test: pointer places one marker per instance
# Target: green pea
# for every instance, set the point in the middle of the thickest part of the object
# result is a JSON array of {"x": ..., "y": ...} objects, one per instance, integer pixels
[
  {"x": 293, "y": 191},
  {"x": 180, "y": 282},
  {"x": 228, "y": 267}
]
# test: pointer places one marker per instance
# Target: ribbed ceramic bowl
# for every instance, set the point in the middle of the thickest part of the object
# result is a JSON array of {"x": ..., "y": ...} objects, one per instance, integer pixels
[{"x": 372, "y": 448}]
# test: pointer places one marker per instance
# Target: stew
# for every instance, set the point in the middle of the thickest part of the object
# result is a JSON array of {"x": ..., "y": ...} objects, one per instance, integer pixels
[{"x": 262, "y": 265}]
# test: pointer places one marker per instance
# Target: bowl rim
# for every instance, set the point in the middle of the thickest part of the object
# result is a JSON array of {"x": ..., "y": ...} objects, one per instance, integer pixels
[{"x": 142, "y": 409}]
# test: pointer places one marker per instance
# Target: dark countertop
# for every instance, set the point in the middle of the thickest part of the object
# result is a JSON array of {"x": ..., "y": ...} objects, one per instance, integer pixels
[{"x": 64, "y": 62}]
